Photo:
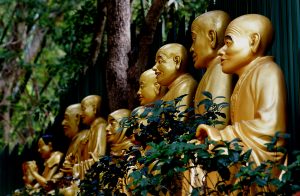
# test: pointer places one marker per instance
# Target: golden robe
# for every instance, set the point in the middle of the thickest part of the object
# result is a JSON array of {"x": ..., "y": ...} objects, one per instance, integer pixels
[
  {"x": 184, "y": 84},
  {"x": 258, "y": 110},
  {"x": 218, "y": 84}
]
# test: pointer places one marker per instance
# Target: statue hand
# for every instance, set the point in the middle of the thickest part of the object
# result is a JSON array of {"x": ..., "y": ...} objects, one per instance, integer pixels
[
  {"x": 93, "y": 156},
  {"x": 204, "y": 131},
  {"x": 32, "y": 167}
]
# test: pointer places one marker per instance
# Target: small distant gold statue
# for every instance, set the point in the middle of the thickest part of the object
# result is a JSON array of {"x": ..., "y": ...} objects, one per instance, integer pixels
[
  {"x": 93, "y": 142},
  {"x": 149, "y": 89},
  {"x": 171, "y": 71},
  {"x": 259, "y": 98},
  {"x": 51, "y": 163},
  {"x": 117, "y": 141}
]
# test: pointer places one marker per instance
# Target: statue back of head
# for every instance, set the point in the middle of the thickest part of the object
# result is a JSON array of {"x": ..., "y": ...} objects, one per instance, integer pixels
[{"x": 208, "y": 31}]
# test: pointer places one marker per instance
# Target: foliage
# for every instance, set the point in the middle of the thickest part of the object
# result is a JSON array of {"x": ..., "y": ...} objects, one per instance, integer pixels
[
  {"x": 68, "y": 29},
  {"x": 166, "y": 150}
]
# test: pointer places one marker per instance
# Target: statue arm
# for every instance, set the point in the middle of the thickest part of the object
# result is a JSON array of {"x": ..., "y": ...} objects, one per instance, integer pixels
[
  {"x": 40, "y": 179},
  {"x": 98, "y": 144}
]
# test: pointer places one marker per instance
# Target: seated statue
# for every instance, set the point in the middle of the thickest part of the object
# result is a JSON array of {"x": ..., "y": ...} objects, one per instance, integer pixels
[
  {"x": 93, "y": 142},
  {"x": 259, "y": 98},
  {"x": 117, "y": 141},
  {"x": 149, "y": 90},
  {"x": 52, "y": 160},
  {"x": 208, "y": 34},
  {"x": 170, "y": 69},
  {"x": 70, "y": 125}
]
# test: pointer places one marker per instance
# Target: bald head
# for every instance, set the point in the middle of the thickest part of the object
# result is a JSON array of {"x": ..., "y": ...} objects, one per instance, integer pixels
[
  {"x": 208, "y": 32},
  {"x": 119, "y": 114},
  {"x": 71, "y": 120},
  {"x": 90, "y": 107},
  {"x": 173, "y": 50},
  {"x": 216, "y": 20},
  {"x": 254, "y": 24}
]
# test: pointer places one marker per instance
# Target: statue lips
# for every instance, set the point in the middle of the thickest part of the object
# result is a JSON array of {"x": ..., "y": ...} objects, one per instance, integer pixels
[
  {"x": 194, "y": 57},
  {"x": 140, "y": 97},
  {"x": 222, "y": 61}
]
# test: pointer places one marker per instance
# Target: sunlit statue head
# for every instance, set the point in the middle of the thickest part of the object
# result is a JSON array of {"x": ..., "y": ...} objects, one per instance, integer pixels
[
  {"x": 71, "y": 120},
  {"x": 45, "y": 147},
  {"x": 149, "y": 90},
  {"x": 114, "y": 133},
  {"x": 170, "y": 62},
  {"x": 246, "y": 38},
  {"x": 208, "y": 34},
  {"x": 28, "y": 178},
  {"x": 90, "y": 107}
]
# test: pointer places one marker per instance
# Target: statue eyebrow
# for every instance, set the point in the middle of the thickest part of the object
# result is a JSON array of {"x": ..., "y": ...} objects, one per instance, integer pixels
[{"x": 228, "y": 37}]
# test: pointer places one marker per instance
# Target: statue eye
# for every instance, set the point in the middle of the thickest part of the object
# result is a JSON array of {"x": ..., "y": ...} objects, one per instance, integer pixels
[{"x": 228, "y": 42}]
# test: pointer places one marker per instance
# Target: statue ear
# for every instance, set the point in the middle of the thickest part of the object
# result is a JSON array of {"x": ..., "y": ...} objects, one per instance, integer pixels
[
  {"x": 213, "y": 38},
  {"x": 94, "y": 108},
  {"x": 177, "y": 60},
  {"x": 77, "y": 116},
  {"x": 254, "y": 42}
]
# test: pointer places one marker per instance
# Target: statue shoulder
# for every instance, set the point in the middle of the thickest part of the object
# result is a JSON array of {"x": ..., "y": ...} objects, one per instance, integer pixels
[{"x": 54, "y": 159}]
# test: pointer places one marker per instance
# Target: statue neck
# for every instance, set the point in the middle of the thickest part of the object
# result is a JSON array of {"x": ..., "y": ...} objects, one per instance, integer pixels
[{"x": 213, "y": 62}]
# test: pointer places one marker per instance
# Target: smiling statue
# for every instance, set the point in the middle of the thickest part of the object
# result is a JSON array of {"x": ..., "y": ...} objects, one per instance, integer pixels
[{"x": 171, "y": 71}]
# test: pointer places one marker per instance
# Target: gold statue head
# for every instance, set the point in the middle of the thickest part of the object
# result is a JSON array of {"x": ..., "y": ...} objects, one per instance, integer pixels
[
  {"x": 208, "y": 34},
  {"x": 246, "y": 38},
  {"x": 90, "y": 107},
  {"x": 44, "y": 148},
  {"x": 114, "y": 133},
  {"x": 170, "y": 62},
  {"x": 149, "y": 90},
  {"x": 71, "y": 120},
  {"x": 28, "y": 177}
]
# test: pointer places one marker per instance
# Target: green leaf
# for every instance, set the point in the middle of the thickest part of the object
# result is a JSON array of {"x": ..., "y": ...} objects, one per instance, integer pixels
[{"x": 207, "y": 94}]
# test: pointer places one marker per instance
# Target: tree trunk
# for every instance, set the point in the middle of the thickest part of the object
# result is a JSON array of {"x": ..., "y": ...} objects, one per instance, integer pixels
[
  {"x": 119, "y": 47},
  {"x": 147, "y": 35}
]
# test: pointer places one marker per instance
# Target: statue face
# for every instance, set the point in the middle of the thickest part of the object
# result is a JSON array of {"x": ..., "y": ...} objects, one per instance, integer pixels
[
  {"x": 200, "y": 47},
  {"x": 149, "y": 88},
  {"x": 44, "y": 149},
  {"x": 165, "y": 68},
  {"x": 70, "y": 123},
  {"x": 88, "y": 113},
  {"x": 111, "y": 130},
  {"x": 236, "y": 53}
]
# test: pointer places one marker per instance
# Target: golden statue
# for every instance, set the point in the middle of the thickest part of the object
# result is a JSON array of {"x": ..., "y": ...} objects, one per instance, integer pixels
[
  {"x": 93, "y": 142},
  {"x": 116, "y": 138},
  {"x": 258, "y": 101},
  {"x": 51, "y": 163},
  {"x": 149, "y": 90},
  {"x": 208, "y": 34},
  {"x": 170, "y": 69},
  {"x": 70, "y": 125}
]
